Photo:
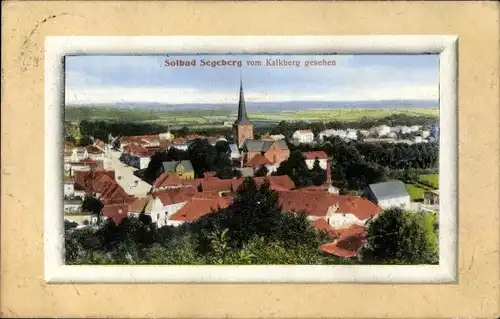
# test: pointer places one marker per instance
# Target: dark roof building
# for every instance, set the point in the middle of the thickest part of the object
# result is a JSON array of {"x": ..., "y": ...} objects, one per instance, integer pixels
[
  {"x": 388, "y": 194},
  {"x": 263, "y": 145}
]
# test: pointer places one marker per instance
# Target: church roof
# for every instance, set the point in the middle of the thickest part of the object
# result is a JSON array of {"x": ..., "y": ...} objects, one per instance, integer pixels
[
  {"x": 263, "y": 145},
  {"x": 242, "y": 109}
]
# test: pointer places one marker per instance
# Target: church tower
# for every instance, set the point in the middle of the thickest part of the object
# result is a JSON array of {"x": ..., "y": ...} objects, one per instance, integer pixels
[{"x": 242, "y": 127}]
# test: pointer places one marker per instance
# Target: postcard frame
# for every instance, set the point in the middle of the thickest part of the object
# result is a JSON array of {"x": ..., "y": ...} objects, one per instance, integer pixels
[{"x": 446, "y": 46}]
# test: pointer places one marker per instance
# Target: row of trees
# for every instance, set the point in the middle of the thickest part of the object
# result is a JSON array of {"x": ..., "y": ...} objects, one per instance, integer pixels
[
  {"x": 253, "y": 230},
  {"x": 101, "y": 129},
  {"x": 296, "y": 168},
  {"x": 355, "y": 164}
]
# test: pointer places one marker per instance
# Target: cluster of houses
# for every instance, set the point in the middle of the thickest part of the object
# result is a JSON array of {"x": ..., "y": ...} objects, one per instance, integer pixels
[
  {"x": 173, "y": 201},
  {"x": 382, "y": 133},
  {"x": 177, "y": 197}
]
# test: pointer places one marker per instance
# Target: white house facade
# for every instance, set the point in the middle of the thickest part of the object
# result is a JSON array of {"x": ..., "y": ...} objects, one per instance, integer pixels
[
  {"x": 161, "y": 213},
  {"x": 303, "y": 136},
  {"x": 69, "y": 189},
  {"x": 72, "y": 206},
  {"x": 399, "y": 201}
]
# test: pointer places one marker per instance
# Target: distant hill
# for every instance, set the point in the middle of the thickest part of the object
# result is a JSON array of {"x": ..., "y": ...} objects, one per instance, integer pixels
[{"x": 274, "y": 106}]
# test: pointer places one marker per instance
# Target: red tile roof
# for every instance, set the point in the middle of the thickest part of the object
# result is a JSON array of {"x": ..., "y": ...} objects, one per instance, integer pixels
[
  {"x": 116, "y": 212},
  {"x": 321, "y": 224},
  {"x": 278, "y": 183},
  {"x": 258, "y": 160},
  {"x": 198, "y": 207},
  {"x": 113, "y": 191},
  {"x": 138, "y": 138},
  {"x": 316, "y": 203},
  {"x": 216, "y": 184},
  {"x": 362, "y": 208},
  {"x": 167, "y": 179},
  {"x": 314, "y": 189},
  {"x": 316, "y": 154},
  {"x": 349, "y": 243},
  {"x": 175, "y": 195},
  {"x": 312, "y": 203},
  {"x": 138, "y": 204}
]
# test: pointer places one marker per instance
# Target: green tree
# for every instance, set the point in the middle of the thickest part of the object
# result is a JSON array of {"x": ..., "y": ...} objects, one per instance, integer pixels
[
  {"x": 85, "y": 141},
  {"x": 220, "y": 245},
  {"x": 93, "y": 205},
  {"x": 262, "y": 171},
  {"x": 296, "y": 168},
  {"x": 203, "y": 156},
  {"x": 318, "y": 174},
  {"x": 399, "y": 237}
]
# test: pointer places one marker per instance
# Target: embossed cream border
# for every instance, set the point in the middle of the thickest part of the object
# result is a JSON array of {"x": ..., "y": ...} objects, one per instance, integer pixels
[{"x": 57, "y": 47}]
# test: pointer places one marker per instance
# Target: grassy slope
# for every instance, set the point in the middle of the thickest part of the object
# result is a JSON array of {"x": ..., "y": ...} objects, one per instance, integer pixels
[
  {"x": 416, "y": 191},
  {"x": 431, "y": 179}
]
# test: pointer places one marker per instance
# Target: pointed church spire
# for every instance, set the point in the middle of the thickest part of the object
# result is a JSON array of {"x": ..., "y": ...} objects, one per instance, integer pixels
[{"x": 242, "y": 109}]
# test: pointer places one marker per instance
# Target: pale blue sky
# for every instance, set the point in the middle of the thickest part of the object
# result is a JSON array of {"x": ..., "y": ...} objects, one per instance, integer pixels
[{"x": 107, "y": 79}]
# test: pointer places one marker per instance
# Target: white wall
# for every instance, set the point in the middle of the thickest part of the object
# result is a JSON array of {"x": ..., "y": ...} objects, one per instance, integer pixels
[
  {"x": 403, "y": 202},
  {"x": 182, "y": 147},
  {"x": 144, "y": 162},
  {"x": 71, "y": 208},
  {"x": 174, "y": 223},
  {"x": 69, "y": 190},
  {"x": 339, "y": 220},
  {"x": 160, "y": 214},
  {"x": 303, "y": 137},
  {"x": 271, "y": 168}
]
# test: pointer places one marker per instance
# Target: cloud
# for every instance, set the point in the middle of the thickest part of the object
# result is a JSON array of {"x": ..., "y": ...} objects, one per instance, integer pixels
[{"x": 109, "y": 79}]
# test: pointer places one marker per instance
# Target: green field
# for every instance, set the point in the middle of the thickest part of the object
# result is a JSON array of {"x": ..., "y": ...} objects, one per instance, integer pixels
[
  {"x": 417, "y": 190},
  {"x": 431, "y": 180},
  {"x": 217, "y": 117}
]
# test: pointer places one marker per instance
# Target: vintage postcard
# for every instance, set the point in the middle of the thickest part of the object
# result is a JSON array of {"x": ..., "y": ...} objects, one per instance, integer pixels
[
  {"x": 252, "y": 159},
  {"x": 345, "y": 150}
]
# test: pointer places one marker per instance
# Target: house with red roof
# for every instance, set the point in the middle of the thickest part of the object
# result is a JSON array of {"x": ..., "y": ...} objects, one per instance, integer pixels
[
  {"x": 258, "y": 161},
  {"x": 137, "y": 206},
  {"x": 137, "y": 156},
  {"x": 340, "y": 211},
  {"x": 162, "y": 204},
  {"x": 117, "y": 213},
  {"x": 196, "y": 208},
  {"x": 352, "y": 210},
  {"x": 167, "y": 180},
  {"x": 348, "y": 244},
  {"x": 321, "y": 224}
]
